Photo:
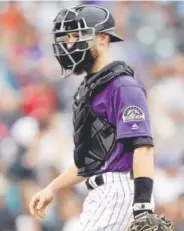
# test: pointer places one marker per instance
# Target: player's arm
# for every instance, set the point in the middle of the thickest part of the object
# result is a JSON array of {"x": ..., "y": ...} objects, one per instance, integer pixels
[
  {"x": 143, "y": 164},
  {"x": 143, "y": 170},
  {"x": 133, "y": 126},
  {"x": 66, "y": 179},
  {"x": 42, "y": 199}
]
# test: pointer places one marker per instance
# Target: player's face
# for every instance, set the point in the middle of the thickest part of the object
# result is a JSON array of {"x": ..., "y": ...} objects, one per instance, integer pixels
[
  {"x": 70, "y": 39},
  {"x": 96, "y": 47}
]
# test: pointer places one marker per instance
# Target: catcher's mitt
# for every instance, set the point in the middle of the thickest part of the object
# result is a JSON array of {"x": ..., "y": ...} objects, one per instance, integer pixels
[{"x": 151, "y": 222}]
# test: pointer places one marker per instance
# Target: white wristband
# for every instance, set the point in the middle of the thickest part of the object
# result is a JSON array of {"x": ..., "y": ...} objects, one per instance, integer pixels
[{"x": 143, "y": 206}]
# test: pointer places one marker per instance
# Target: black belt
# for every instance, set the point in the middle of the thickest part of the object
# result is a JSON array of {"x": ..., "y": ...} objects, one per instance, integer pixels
[{"x": 100, "y": 181}]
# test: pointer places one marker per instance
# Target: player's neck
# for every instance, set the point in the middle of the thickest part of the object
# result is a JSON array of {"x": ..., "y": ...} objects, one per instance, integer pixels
[{"x": 102, "y": 61}]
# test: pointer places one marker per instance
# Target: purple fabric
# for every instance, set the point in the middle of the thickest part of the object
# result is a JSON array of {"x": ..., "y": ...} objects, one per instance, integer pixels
[{"x": 113, "y": 102}]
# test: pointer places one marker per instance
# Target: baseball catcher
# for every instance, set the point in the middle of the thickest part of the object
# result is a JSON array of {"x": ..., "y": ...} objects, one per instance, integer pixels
[{"x": 113, "y": 145}]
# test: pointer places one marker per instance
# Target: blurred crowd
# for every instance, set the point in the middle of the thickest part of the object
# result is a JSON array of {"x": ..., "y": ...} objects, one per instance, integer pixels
[{"x": 35, "y": 106}]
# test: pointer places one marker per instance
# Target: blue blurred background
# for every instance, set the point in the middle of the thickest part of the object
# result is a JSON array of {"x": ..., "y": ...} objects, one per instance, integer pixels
[{"x": 35, "y": 106}]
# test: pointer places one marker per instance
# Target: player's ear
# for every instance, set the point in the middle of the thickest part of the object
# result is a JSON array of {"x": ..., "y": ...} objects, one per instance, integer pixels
[{"x": 103, "y": 39}]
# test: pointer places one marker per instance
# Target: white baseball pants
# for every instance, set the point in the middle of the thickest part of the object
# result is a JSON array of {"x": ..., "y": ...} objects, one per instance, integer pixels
[{"x": 108, "y": 207}]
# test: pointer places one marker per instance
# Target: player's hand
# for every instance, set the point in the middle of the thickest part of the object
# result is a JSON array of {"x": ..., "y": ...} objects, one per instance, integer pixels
[{"x": 40, "y": 202}]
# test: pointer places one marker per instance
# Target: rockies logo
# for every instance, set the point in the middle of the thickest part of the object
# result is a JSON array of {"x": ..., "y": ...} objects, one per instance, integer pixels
[{"x": 133, "y": 113}]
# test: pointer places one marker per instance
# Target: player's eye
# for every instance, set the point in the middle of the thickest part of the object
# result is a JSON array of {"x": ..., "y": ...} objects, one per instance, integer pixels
[
  {"x": 75, "y": 35},
  {"x": 63, "y": 38}
]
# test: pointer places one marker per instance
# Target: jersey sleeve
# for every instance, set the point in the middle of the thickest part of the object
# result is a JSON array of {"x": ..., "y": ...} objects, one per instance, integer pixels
[{"x": 130, "y": 109}]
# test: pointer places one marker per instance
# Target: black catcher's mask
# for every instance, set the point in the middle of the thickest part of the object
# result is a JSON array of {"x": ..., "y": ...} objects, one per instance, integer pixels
[{"x": 86, "y": 21}]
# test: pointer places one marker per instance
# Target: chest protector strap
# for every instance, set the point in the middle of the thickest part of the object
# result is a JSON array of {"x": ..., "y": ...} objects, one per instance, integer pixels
[{"x": 94, "y": 136}]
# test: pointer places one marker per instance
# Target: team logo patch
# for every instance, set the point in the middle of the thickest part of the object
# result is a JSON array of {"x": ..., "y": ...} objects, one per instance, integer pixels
[{"x": 133, "y": 113}]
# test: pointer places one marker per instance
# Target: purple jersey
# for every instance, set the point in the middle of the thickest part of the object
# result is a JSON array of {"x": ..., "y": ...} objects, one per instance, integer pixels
[{"x": 124, "y": 104}]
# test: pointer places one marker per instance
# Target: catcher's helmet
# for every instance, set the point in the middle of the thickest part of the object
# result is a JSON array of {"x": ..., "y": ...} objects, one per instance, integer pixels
[{"x": 87, "y": 21}]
